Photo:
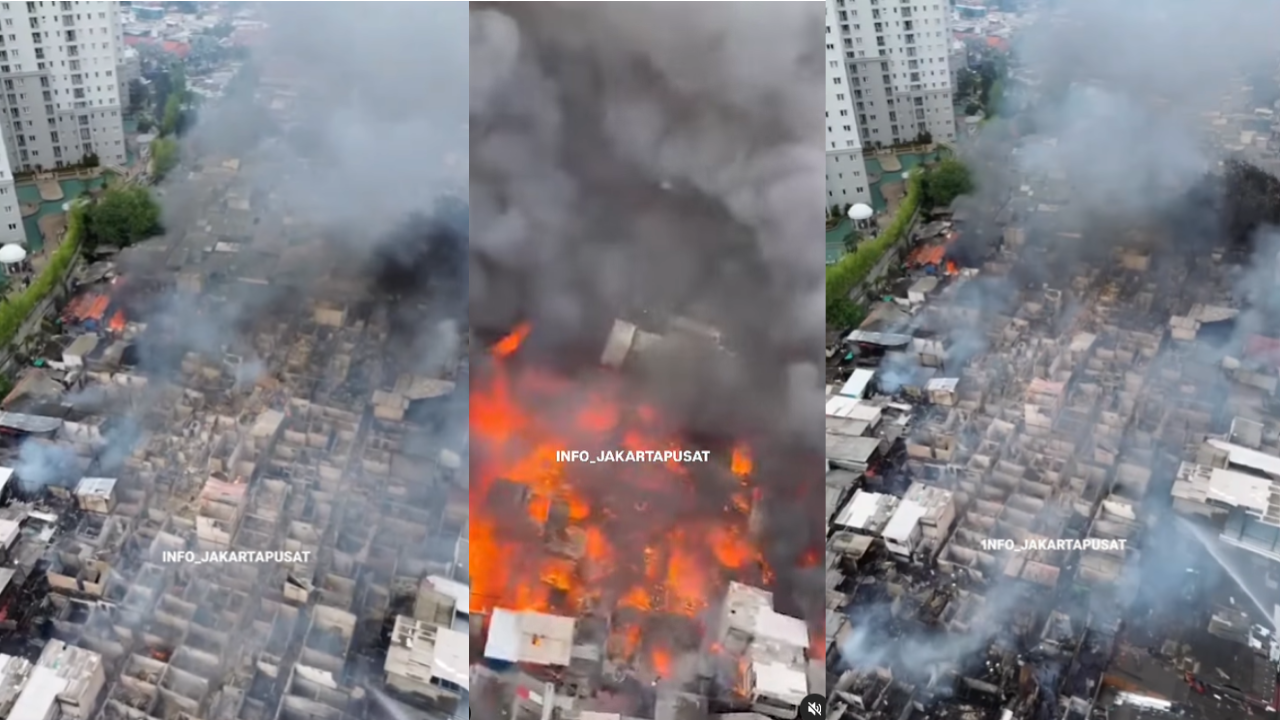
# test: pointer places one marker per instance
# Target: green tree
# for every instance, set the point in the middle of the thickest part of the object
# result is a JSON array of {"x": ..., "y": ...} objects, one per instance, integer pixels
[
  {"x": 164, "y": 156},
  {"x": 844, "y": 314},
  {"x": 945, "y": 182},
  {"x": 178, "y": 81},
  {"x": 995, "y": 96},
  {"x": 123, "y": 216},
  {"x": 172, "y": 115}
]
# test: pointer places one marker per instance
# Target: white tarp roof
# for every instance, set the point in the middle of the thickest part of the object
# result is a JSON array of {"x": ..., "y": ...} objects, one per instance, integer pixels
[{"x": 856, "y": 387}]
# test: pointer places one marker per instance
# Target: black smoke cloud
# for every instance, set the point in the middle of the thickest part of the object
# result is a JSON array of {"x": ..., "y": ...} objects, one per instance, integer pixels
[
  {"x": 646, "y": 160},
  {"x": 373, "y": 157},
  {"x": 372, "y": 161},
  {"x": 631, "y": 160}
]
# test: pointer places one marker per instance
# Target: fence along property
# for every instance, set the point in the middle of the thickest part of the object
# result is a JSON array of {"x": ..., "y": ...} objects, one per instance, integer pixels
[{"x": 871, "y": 259}]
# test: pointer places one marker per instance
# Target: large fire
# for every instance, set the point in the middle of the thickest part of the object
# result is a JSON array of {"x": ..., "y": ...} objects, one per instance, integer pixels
[{"x": 578, "y": 538}]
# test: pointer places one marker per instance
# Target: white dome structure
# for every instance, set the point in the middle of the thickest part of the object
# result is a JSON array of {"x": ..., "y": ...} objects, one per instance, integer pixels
[
  {"x": 12, "y": 254},
  {"x": 861, "y": 212}
]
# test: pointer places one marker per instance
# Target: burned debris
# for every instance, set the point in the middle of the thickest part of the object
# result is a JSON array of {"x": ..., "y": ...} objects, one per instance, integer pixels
[
  {"x": 1036, "y": 476},
  {"x": 204, "y": 395}
]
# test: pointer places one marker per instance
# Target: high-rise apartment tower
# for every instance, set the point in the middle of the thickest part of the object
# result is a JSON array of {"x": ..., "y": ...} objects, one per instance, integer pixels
[
  {"x": 61, "y": 97},
  {"x": 897, "y": 79}
]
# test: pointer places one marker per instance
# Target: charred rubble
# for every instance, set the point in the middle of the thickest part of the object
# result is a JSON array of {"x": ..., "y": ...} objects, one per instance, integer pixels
[
  {"x": 240, "y": 386},
  {"x": 1036, "y": 374}
]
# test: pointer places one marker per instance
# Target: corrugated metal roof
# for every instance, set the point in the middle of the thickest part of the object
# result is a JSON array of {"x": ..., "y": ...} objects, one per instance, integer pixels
[
  {"x": 35, "y": 424},
  {"x": 876, "y": 338}
]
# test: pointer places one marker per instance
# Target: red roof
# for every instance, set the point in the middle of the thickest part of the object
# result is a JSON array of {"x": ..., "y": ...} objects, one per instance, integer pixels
[{"x": 174, "y": 47}]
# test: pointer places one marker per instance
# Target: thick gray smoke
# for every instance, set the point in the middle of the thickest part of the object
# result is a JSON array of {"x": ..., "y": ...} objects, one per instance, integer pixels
[
  {"x": 647, "y": 160},
  {"x": 375, "y": 139},
  {"x": 380, "y": 131},
  {"x": 1123, "y": 89},
  {"x": 45, "y": 464},
  {"x": 871, "y": 642},
  {"x": 626, "y": 160},
  {"x": 1112, "y": 123}
]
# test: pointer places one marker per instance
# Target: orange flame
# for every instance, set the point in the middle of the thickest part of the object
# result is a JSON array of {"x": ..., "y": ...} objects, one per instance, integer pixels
[
  {"x": 741, "y": 464},
  {"x": 575, "y": 540},
  {"x": 508, "y": 345}
]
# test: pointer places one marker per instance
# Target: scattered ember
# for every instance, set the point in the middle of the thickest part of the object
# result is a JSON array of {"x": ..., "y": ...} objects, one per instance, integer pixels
[
  {"x": 569, "y": 538},
  {"x": 509, "y": 344}
]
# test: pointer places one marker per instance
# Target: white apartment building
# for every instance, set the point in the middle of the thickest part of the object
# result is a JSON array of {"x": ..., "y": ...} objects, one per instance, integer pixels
[
  {"x": 898, "y": 75},
  {"x": 11, "y": 228},
  {"x": 61, "y": 95},
  {"x": 847, "y": 181}
]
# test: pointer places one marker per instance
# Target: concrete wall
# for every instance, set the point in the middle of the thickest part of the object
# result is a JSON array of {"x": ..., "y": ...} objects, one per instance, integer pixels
[
  {"x": 46, "y": 310},
  {"x": 892, "y": 258}
]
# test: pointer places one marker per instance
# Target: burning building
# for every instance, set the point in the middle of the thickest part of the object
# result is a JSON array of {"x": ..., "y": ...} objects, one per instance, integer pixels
[{"x": 623, "y": 566}]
